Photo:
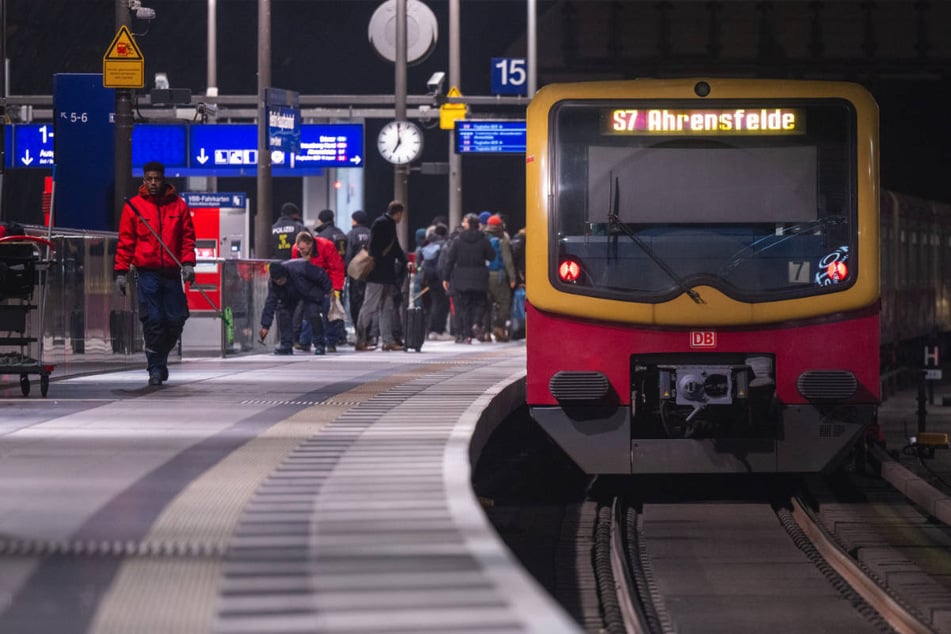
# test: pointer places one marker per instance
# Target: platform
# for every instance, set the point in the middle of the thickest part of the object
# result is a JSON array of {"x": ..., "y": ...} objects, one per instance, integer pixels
[{"x": 263, "y": 494}]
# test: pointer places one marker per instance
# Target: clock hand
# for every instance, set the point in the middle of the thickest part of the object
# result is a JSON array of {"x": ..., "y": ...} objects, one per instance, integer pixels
[{"x": 399, "y": 137}]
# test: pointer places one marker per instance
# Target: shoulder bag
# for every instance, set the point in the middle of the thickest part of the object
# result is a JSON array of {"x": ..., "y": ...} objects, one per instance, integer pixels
[{"x": 363, "y": 263}]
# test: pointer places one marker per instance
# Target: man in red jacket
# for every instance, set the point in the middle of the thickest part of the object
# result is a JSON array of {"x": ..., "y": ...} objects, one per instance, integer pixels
[
  {"x": 321, "y": 252},
  {"x": 157, "y": 239}
]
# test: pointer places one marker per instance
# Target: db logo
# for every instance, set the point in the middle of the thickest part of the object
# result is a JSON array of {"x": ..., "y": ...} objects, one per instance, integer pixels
[{"x": 703, "y": 339}]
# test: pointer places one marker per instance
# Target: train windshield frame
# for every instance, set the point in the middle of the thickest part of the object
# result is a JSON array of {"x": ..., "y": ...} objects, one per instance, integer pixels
[{"x": 652, "y": 199}]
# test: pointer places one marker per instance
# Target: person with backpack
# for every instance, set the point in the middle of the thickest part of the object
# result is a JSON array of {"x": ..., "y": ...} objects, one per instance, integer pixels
[
  {"x": 502, "y": 278},
  {"x": 429, "y": 268}
]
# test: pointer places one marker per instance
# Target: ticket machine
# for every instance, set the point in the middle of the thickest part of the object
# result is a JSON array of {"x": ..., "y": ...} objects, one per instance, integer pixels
[{"x": 222, "y": 227}]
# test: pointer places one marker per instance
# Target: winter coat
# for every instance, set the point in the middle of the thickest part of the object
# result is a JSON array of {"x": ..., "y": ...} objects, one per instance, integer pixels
[
  {"x": 466, "y": 262},
  {"x": 383, "y": 239},
  {"x": 325, "y": 256},
  {"x": 283, "y": 235},
  {"x": 169, "y": 217},
  {"x": 330, "y": 231},
  {"x": 305, "y": 282},
  {"x": 358, "y": 238}
]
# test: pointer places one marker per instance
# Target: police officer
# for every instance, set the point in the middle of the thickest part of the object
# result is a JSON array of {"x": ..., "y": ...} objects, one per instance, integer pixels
[{"x": 284, "y": 231}]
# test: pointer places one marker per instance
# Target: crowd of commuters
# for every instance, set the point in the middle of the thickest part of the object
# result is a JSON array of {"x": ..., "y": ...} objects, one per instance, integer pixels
[
  {"x": 479, "y": 268},
  {"x": 465, "y": 280}
]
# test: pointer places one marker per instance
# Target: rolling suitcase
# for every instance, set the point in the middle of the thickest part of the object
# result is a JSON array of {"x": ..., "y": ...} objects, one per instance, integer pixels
[{"x": 414, "y": 326}]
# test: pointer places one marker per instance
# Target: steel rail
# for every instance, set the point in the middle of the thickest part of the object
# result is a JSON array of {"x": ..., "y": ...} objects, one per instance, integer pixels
[{"x": 895, "y": 614}]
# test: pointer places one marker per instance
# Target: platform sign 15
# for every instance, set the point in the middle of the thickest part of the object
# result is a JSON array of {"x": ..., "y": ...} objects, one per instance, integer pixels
[{"x": 509, "y": 76}]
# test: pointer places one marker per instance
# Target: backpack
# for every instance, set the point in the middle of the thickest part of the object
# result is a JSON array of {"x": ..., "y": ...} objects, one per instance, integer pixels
[
  {"x": 430, "y": 254},
  {"x": 496, "y": 264}
]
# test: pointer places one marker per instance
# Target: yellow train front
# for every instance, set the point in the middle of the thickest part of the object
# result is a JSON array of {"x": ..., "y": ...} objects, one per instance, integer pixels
[{"x": 703, "y": 273}]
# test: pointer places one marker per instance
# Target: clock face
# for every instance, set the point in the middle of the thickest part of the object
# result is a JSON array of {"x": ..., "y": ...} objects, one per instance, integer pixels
[{"x": 400, "y": 142}]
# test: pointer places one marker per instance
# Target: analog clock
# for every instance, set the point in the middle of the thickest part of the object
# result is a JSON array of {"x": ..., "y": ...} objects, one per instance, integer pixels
[{"x": 400, "y": 142}]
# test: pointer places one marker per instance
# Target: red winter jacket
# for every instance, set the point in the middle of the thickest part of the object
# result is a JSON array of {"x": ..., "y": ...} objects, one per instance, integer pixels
[
  {"x": 326, "y": 257},
  {"x": 169, "y": 216}
]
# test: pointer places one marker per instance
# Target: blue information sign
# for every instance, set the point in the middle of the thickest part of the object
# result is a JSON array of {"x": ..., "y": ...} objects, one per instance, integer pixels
[
  {"x": 30, "y": 145},
  {"x": 223, "y": 150},
  {"x": 165, "y": 143},
  {"x": 490, "y": 137},
  {"x": 216, "y": 200},
  {"x": 283, "y": 119},
  {"x": 205, "y": 150},
  {"x": 330, "y": 145},
  {"x": 83, "y": 114}
]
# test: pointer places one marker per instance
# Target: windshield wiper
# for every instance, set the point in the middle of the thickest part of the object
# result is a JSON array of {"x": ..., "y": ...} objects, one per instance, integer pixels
[
  {"x": 616, "y": 224},
  {"x": 757, "y": 246}
]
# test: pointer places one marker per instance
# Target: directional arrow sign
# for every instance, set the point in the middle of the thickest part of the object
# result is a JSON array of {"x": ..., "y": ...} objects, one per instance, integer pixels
[
  {"x": 330, "y": 145},
  {"x": 32, "y": 146}
]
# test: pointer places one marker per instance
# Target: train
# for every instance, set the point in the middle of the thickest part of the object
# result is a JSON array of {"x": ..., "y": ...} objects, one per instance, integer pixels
[{"x": 715, "y": 280}]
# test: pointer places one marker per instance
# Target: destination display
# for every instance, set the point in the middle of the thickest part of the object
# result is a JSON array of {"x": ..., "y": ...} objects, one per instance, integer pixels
[
  {"x": 490, "y": 137},
  {"x": 206, "y": 150},
  {"x": 730, "y": 121}
]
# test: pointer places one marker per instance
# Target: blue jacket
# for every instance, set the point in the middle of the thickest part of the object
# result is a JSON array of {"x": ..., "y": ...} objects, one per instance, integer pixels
[{"x": 305, "y": 282}]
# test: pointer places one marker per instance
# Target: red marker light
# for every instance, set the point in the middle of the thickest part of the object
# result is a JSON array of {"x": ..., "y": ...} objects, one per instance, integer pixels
[
  {"x": 569, "y": 271},
  {"x": 837, "y": 271}
]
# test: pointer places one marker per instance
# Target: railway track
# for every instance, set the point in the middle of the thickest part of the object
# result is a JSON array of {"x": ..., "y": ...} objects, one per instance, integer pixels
[
  {"x": 853, "y": 552},
  {"x": 739, "y": 567}
]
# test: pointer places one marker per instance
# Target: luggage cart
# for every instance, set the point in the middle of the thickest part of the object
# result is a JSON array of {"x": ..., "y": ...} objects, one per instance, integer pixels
[{"x": 24, "y": 263}]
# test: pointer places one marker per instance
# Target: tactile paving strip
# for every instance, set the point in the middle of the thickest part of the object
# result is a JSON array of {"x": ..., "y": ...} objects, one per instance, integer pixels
[{"x": 353, "y": 531}]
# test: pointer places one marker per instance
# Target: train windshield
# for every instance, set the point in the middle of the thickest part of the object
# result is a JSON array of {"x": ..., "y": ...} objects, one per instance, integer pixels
[{"x": 652, "y": 200}]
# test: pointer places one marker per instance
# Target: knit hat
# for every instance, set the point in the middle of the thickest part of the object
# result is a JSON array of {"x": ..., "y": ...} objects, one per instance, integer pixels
[
  {"x": 484, "y": 217},
  {"x": 495, "y": 220},
  {"x": 277, "y": 270},
  {"x": 420, "y": 236},
  {"x": 290, "y": 210},
  {"x": 361, "y": 217},
  {"x": 326, "y": 215}
]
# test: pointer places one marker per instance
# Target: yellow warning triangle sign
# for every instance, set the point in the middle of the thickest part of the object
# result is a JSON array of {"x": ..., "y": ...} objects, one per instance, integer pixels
[
  {"x": 123, "y": 48},
  {"x": 450, "y": 112}
]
